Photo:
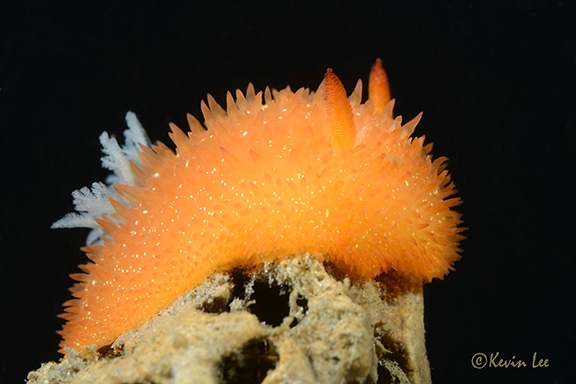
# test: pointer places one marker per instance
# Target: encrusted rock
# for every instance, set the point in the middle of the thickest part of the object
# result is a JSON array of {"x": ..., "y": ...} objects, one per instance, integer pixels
[{"x": 293, "y": 321}]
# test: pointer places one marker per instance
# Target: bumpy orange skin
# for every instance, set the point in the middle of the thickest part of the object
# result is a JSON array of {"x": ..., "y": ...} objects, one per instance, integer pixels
[{"x": 262, "y": 183}]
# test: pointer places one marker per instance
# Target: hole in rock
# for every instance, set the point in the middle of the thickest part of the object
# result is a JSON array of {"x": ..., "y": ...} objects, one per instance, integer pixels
[
  {"x": 108, "y": 352},
  {"x": 215, "y": 305},
  {"x": 396, "y": 353},
  {"x": 271, "y": 303},
  {"x": 250, "y": 364},
  {"x": 302, "y": 302},
  {"x": 239, "y": 281},
  {"x": 384, "y": 376}
]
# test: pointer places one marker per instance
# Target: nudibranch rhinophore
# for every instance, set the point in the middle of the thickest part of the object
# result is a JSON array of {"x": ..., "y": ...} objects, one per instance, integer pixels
[{"x": 274, "y": 174}]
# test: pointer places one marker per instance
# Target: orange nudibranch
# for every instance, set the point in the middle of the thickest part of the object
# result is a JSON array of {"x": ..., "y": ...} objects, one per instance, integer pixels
[{"x": 275, "y": 174}]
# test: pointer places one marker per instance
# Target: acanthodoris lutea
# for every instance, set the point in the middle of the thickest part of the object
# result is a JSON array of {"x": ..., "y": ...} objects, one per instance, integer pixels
[{"x": 272, "y": 175}]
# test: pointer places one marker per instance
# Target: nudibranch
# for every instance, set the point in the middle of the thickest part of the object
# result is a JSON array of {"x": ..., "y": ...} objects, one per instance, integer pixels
[{"x": 274, "y": 174}]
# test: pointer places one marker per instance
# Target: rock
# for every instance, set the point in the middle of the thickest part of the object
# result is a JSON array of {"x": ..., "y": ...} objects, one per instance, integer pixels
[{"x": 292, "y": 321}]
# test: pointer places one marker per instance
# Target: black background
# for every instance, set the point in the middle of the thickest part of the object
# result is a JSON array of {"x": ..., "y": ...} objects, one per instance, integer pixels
[{"x": 495, "y": 80}]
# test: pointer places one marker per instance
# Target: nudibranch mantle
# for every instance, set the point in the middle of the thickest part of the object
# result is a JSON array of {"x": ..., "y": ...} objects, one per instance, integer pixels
[{"x": 274, "y": 174}]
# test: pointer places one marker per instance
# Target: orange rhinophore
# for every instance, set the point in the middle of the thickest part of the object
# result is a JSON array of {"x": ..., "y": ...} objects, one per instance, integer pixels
[
  {"x": 274, "y": 174},
  {"x": 378, "y": 88},
  {"x": 340, "y": 115}
]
